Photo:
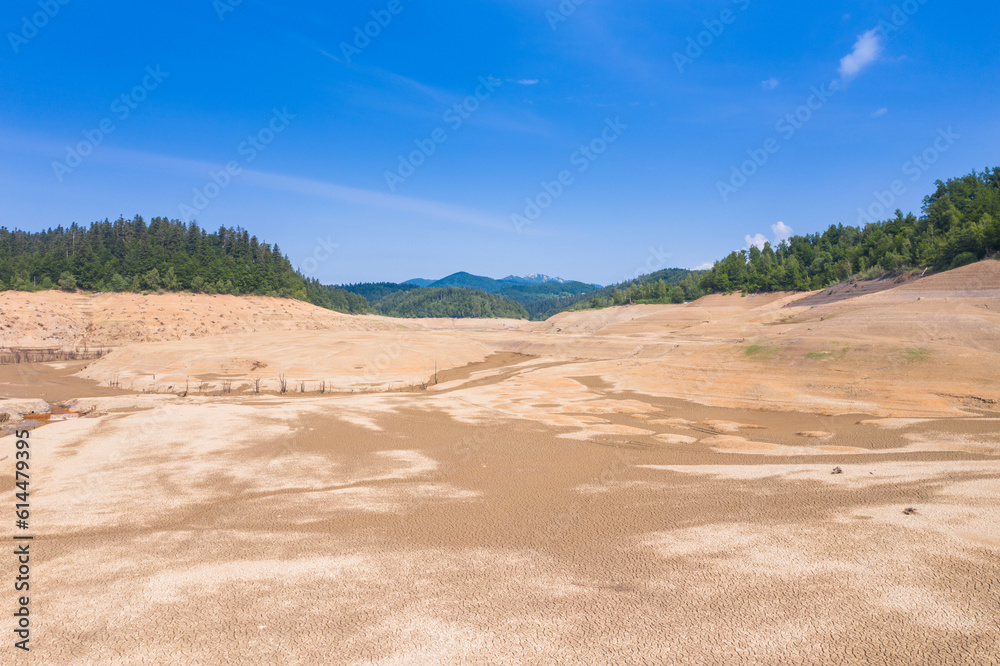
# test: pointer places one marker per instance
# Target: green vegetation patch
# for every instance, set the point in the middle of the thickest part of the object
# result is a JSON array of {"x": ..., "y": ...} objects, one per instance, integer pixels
[
  {"x": 829, "y": 354},
  {"x": 760, "y": 351},
  {"x": 915, "y": 354}
]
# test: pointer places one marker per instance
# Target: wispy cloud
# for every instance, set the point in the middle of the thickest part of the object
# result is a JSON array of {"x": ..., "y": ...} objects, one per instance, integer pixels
[
  {"x": 331, "y": 56},
  {"x": 866, "y": 51},
  {"x": 135, "y": 159},
  {"x": 880, "y": 112},
  {"x": 374, "y": 199},
  {"x": 396, "y": 80},
  {"x": 770, "y": 84},
  {"x": 388, "y": 91}
]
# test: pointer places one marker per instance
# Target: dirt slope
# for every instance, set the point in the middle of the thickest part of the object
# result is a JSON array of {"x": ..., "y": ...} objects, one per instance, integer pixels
[{"x": 58, "y": 319}]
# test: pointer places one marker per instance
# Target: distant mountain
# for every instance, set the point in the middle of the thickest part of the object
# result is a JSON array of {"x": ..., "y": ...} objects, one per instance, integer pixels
[
  {"x": 469, "y": 281},
  {"x": 538, "y": 294},
  {"x": 540, "y": 298},
  {"x": 376, "y": 291},
  {"x": 533, "y": 278},
  {"x": 449, "y": 302}
]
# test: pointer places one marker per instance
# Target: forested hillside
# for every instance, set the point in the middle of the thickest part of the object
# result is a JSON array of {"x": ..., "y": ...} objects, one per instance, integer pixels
[
  {"x": 670, "y": 285},
  {"x": 469, "y": 281},
  {"x": 960, "y": 224},
  {"x": 449, "y": 302},
  {"x": 376, "y": 291},
  {"x": 334, "y": 298},
  {"x": 538, "y": 299},
  {"x": 167, "y": 255},
  {"x": 541, "y": 300}
]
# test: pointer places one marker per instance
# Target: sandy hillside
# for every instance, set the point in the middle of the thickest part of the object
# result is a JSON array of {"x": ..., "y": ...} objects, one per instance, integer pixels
[
  {"x": 59, "y": 319},
  {"x": 936, "y": 336}
]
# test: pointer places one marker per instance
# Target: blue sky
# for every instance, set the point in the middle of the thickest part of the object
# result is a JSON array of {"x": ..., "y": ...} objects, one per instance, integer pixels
[{"x": 611, "y": 131}]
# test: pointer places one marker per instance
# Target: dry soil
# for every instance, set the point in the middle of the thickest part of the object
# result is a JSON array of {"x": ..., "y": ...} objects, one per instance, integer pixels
[{"x": 740, "y": 480}]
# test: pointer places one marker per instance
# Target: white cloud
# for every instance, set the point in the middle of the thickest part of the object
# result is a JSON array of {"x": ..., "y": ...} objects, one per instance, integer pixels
[
  {"x": 770, "y": 84},
  {"x": 704, "y": 267},
  {"x": 880, "y": 112},
  {"x": 756, "y": 239},
  {"x": 527, "y": 82},
  {"x": 781, "y": 232},
  {"x": 867, "y": 50}
]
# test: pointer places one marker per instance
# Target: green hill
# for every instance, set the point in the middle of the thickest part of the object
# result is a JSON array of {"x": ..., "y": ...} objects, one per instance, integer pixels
[
  {"x": 537, "y": 299},
  {"x": 960, "y": 225},
  {"x": 376, "y": 291},
  {"x": 469, "y": 281},
  {"x": 448, "y": 302},
  {"x": 163, "y": 255},
  {"x": 670, "y": 285}
]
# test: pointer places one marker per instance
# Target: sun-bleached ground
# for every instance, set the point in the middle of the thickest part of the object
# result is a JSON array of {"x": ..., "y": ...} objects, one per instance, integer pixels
[{"x": 738, "y": 480}]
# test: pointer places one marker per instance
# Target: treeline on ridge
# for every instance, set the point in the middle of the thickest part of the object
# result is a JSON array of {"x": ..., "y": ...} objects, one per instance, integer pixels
[
  {"x": 454, "y": 302},
  {"x": 539, "y": 300},
  {"x": 163, "y": 255},
  {"x": 960, "y": 225},
  {"x": 670, "y": 285}
]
